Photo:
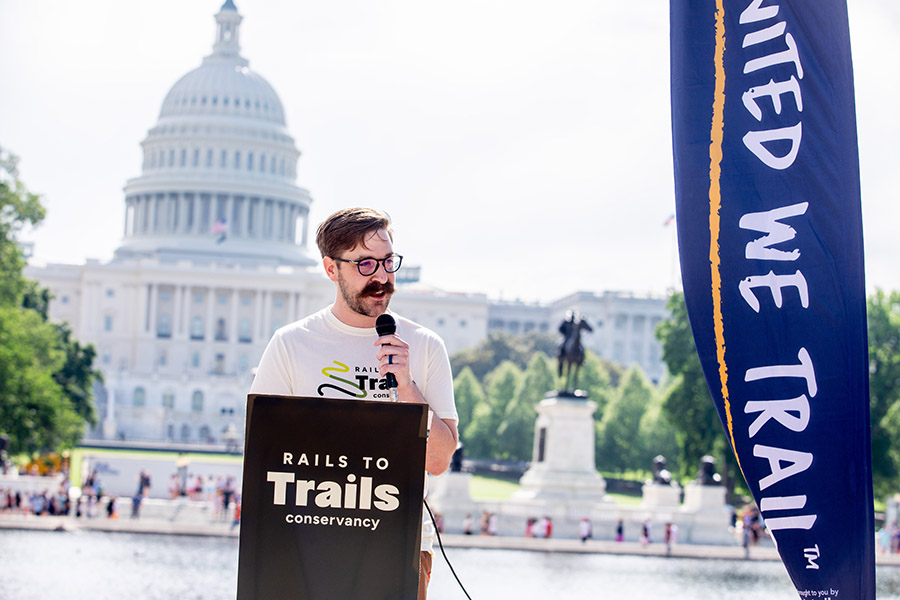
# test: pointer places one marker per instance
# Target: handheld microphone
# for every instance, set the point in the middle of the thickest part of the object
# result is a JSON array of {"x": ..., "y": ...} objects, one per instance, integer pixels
[{"x": 386, "y": 325}]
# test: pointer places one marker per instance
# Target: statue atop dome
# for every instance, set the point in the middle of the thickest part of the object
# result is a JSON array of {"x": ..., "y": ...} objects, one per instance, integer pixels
[{"x": 227, "y": 45}]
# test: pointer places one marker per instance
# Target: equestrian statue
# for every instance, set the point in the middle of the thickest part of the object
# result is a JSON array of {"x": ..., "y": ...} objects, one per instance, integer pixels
[{"x": 571, "y": 352}]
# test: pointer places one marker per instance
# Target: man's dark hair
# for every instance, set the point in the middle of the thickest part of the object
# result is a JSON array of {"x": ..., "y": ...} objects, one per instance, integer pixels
[{"x": 348, "y": 228}]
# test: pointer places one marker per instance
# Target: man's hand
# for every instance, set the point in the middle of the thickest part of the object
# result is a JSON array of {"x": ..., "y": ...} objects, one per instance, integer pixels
[{"x": 393, "y": 357}]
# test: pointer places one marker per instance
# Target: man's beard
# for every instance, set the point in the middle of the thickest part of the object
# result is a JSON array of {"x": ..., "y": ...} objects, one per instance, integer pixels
[{"x": 357, "y": 302}]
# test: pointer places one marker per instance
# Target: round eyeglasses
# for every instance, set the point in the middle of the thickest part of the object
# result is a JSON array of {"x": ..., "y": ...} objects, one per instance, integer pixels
[{"x": 368, "y": 266}]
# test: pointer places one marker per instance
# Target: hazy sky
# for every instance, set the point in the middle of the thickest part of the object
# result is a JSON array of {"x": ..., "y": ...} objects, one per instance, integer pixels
[{"x": 523, "y": 148}]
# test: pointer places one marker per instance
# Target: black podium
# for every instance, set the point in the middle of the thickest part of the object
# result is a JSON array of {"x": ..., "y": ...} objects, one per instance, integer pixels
[{"x": 332, "y": 499}]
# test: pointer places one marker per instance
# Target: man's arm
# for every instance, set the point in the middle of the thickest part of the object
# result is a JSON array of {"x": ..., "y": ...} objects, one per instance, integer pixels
[
  {"x": 393, "y": 357},
  {"x": 442, "y": 437}
]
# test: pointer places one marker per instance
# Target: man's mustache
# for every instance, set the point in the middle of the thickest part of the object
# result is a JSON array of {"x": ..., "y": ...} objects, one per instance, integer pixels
[{"x": 375, "y": 287}]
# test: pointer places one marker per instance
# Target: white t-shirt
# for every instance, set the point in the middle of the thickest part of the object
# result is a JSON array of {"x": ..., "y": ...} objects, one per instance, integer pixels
[{"x": 320, "y": 356}]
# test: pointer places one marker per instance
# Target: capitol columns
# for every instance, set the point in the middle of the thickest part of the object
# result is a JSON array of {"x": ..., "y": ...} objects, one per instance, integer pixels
[
  {"x": 186, "y": 298},
  {"x": 229, "y": 211},
  {"x": 233, "y": 316},
  {"x": 108, "y": 426},
  {"x": 142, "y": 304},
  {"x": 305, "y": 227},
  {"x": 292, "y": 223},
  {"x": 195, "y": 210},
  {"x": 258, "y": 219},
  {"x": 245, "y": 216},
  {"x": 266, "y": 325},
  {"x": 178, "y": 314},
  {"x": 185, "y": 201},
  {"x": 154, "y": 213},
  {"x": 257, "y": 315},
  {"x": 209, "y": 333},
  {"x": 292, "y": 307},
  {"x": 153, "y": 294}
]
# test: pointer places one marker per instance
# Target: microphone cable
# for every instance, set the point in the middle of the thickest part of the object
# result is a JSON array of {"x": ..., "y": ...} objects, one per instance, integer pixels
[{"x": 441, "y": 545}]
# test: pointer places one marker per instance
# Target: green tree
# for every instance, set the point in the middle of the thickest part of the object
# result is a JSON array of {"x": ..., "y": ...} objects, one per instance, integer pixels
[
  {"x": 34, "y": 411},
  {"x": 657, "y": 436},
  {"x": 76, "y": 375},
  {"x": 618, "y": 447},
  {"x": 469, "y": 395},
  {"x": 19, "y": 208},
  {"x": 595, "y": 378},
  {"x": 688, "y": 405},
  {"x": 45, "y": 376},
  {"x": 516, "y": 433},
  {"x": 500, "y": 346},
  {"x": 883, "y": 314},
  {"x": 501, "y": 386}
]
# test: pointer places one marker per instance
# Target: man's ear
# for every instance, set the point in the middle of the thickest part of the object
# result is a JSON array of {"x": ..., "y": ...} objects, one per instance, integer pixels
[{"x": 331, "y": 267}]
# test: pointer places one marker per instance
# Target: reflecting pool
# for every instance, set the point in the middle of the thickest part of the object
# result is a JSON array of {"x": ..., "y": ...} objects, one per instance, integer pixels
[{"x": 94, "y": 565}]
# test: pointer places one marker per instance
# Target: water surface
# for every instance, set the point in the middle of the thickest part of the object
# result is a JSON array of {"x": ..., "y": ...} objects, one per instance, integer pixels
[{"x": 95, "y": 565}]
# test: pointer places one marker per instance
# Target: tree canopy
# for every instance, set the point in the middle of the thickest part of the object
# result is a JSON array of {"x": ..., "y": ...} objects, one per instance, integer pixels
[
  {"x": 883, "y": 314},
  {"x": 45, "y": 375},
  {"x": 618, "y": 445},
  {"x": 500, "y": 346}
]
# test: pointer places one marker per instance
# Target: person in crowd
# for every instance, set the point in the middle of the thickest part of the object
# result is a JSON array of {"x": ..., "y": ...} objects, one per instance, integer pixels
[
  {"x": 493, "y": 524},
  {"x": 585, "y": 529},
  {"x": 174, "y": 486},
  {"x": 646, "y": 529},
  {"x": 209, "y": 490},
  {"x": 540, "y": 528},
  {"x": 670, "y": 536},
  {"x": 236, "y": 520},
  {"x": 467, "y": 524},
  {"x": 529, "y": 527},
  {"x": 485, "y": 517}
]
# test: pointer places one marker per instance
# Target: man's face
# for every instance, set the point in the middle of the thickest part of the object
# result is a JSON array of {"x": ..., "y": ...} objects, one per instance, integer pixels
[{"x": 367, "y": 295}]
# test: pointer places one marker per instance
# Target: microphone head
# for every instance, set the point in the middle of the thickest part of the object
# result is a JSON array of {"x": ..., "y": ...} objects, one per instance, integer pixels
[{"x": 385, "y": 325}]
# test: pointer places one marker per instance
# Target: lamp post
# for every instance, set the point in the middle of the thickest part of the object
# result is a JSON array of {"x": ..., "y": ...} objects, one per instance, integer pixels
[
  {"x": 182, "y": 463},
  {"x": 4, "y": 444},
  {"x": 230, "y": 435}
]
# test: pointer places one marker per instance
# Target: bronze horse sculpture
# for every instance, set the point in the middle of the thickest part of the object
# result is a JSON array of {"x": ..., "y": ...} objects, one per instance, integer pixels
[{"x": 571, "y": 352}]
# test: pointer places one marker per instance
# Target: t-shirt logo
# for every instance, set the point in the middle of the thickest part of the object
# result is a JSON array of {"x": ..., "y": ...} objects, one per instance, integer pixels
[
  {"x": 349, "y": 388},
  {"x": 366, "y": 380}
]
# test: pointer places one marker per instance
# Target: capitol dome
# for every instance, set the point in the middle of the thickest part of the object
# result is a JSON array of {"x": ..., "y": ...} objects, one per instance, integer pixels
[
  {"x": 218, "y": 177},
  {"x": 223, "y": 88}
]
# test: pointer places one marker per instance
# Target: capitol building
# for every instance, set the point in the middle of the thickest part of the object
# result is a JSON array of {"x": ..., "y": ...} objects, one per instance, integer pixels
[{"x": 216, "y": 255}]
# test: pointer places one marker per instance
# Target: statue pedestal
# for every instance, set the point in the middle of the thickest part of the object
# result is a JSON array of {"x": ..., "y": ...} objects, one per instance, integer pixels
[
  {"x": 448, "y": 494},
  {"x": 450, "y": 487},
  {"x": 563, "y": 459},
  {"x": 660, "y": 495},
  {"x": 709, "y": 516},
  {"x": 699, "y": 497}
]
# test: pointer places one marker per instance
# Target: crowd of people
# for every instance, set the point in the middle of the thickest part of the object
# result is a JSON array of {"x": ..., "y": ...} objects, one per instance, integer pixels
[
  {"x": 45, "y": 502},
  {"x": 57, "y": 499},
  {"x": 542, "y": 527},
  {"x": 752, "y": 528},
  {"x": 889, "y": 539},
  {"x": 218, "y": 492}
]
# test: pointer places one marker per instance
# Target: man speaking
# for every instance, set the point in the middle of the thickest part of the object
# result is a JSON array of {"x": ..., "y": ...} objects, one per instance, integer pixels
[{"x": 300, "y": 360}]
